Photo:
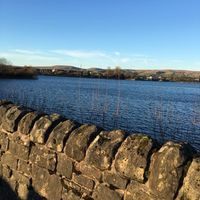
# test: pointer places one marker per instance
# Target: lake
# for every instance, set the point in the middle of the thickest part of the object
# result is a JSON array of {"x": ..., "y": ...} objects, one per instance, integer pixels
[{"x": 164, "y": 110}]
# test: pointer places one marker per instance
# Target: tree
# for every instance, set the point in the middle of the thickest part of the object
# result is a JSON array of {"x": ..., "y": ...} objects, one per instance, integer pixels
[
  {"x": 117, "y": 72},
  {"x": 4, "y": 61}
]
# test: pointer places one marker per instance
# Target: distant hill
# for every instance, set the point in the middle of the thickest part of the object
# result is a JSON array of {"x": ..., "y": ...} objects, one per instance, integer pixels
[
  {"x": 61, "y": 67},
  {"x": 95, "y": 69},
  {"x": 66, "y": 67}
]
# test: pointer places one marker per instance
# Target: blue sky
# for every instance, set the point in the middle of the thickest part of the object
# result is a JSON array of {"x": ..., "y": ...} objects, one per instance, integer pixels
[{"x": 141, "y": 34}]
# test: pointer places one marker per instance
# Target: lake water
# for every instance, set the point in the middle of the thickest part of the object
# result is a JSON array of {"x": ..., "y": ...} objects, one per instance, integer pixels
[{"x": 164, "y": 110}]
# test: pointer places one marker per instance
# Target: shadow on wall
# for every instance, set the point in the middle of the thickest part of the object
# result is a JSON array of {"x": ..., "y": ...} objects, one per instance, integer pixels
[{"x": 6, "y": 192}]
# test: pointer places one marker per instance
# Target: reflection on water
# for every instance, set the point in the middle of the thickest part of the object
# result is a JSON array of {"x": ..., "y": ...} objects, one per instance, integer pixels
[{"x": 163, "y": 110}]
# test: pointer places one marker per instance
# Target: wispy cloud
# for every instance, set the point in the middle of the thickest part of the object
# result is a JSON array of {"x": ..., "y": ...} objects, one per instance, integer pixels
[
  {"x": 28, "y": 57},
  {"x": 77, "y": 57},
  {"x": 28, "y": 52},
  {"x": 117, "y": 53},
  {"x": 80, "y": 54}
]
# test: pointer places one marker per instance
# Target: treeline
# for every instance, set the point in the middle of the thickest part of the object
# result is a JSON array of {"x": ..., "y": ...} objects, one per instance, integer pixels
[
  {"x": 117, "y": 73},
  {"x": 9, "y": 71}
]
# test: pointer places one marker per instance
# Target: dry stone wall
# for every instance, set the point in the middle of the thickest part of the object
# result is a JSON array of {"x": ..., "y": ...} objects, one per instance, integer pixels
[{"x": 61, "y": 159}]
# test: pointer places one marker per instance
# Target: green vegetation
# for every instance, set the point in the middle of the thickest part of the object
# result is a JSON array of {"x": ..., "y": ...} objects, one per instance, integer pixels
[
  {"x": 9, "y": 71},
  {"x": 118, "y": 73}
]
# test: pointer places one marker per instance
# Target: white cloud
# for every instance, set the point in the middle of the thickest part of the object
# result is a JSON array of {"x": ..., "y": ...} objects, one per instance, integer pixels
[
  {"x": 80, "y": 54},
  {"x": 28, "y": 52},
  {"x": 117, "y": 53},
  {"x": 26, "y": 57},
  {"x": 78, "y": 57},
  {"x": 125, "y": 60}
]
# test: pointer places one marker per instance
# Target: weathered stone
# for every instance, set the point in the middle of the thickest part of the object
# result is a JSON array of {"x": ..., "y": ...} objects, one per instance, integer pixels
[
  {"x": 22, "y": 191},
  {"x": 105, "y": 193},
  {"x": 79, "y": 141},
  {"x": 70, "y": 185},
  {"x": 52, "y": 191},
  {"x": 59, "y": 135},
  {"x": 102, "y": 150},
  {"x": 138, "y": 191},
  {"x": 89, "y": 170},
  {"x": 3, "y": 141},
  {"x": 9, "y": 160},
  {"x": 86, "y": 193},
  {"x": 70, "y": 195},
  {"x": 45, "y": 184},
  {"x": 18, "y": 149},
  {"x": 166, "y": 170},
  {"x": 20, "y": 178},
  {"x": 191, "y": 184},
  {"x": 64, "y": 166},
  {"x": 12, "y": 118},
  {"x": 40, "y": 177},
  {"x": 3, "y": 109},
  {"x": 132, "y": 157},
  {"x": 114, "y": 180},
  {"x": 43, "y": 157},
  {"x": 27, "y": 122},
  {"x": 40, "y": 130},
  {"x": 83, "y": 181},
  {"x": 6, "y": 171},
  {"x": 24, "y": 167}
]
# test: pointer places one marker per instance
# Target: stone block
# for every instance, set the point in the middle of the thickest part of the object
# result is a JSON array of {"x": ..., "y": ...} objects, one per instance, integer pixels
[
  {"x": 12, "y": 117},
  {"x": 52, "y": 191},
  {"x": 20, "y": 178},
  {"x": 3, "y": 141},
  {"x": 191, "y": 183},
  {"x": 64, "y": 165},
  {"x": 27, "y": 122},
  {"x": 3, "y": 109},
  {"x": 9, "y": 160},
  {"x": 43, "y": 157},
  {"x": 79, "y": 141},
  {"x": 22, "y": 191},
  {"x": 83, "y": 181},
  {"x": 104, "y": 193},
  {"x": 166, "y": 170},
  {"x": 86, "y": 193},
  {"x": 114, "y": 180},
  {"x": 59, "y": 135},
  {"x": 24, "y": 167},
  {"x": 49, "y": 186},
  {"x": 70, "y": 195},
  {"x": 40, "y": 176},
  {"x": 102, "y": 150},
  {"x": 133, "y": 156},
  {"x": 6, "y": 171},
  {"x": 89, "y": 170},
  {"x": 70, "y": 185},
  {"x": 18, "y": 149},
  {"x": 138, "y": 191},
  {"x": 40, "y": 131}
]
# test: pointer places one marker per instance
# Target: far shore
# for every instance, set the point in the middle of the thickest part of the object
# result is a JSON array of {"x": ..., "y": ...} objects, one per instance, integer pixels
[{"x": 28, "y": 72}]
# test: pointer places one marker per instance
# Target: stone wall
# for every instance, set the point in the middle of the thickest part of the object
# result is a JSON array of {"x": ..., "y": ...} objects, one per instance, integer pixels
[{"x": 51, "y": 157}]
